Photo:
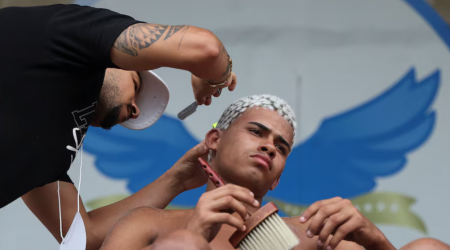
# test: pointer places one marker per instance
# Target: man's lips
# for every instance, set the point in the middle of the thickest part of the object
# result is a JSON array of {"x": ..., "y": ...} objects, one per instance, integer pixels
[{"x": 264, "y": 160}]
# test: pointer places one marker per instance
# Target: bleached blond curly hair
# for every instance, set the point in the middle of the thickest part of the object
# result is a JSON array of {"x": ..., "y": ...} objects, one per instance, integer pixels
[{"x": 238, "y": 107}]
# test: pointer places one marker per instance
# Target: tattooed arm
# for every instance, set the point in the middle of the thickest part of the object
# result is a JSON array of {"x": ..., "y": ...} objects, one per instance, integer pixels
[{"x": 149, "y": 46}]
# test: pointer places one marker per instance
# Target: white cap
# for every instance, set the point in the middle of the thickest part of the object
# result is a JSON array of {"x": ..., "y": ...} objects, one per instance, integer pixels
[{"x": 151, "y": 100}]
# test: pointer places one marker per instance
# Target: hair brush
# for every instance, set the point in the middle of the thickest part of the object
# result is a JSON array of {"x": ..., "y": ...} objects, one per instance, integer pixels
[{"x": 265, "y": 229}]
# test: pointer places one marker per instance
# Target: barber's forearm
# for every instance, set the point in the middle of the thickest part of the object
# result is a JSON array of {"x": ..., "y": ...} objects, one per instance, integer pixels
[
  {"x": 200, "y": 52},
  {"x": 213, "y": 66},
  {"x": 182, "y": 47},
  {"x": 157, "y": 194}
]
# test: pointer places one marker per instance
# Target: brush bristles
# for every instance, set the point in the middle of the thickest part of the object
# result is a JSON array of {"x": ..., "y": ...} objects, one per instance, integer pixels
[{"x": 271, "y": 234}]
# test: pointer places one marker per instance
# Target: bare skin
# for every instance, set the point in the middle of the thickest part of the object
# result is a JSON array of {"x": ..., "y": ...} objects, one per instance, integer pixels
[
  {"x": 141, "y": 47},
  {"x": 146, "y": 46},
  {"x": 333, "y": 223},
  {"x": 135, "y": 228},
  {"x": 184, "y": 175},
  {"x": 426, "y": 244},
  {"x": 246, "y": 139}
]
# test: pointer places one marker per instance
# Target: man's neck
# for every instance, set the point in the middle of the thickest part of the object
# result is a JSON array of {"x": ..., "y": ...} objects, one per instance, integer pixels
[{"x": 250, "y": 209}]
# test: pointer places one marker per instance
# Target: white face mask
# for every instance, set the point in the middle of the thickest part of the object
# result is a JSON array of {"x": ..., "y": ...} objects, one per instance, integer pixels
[{"x": 76, "y": 236}]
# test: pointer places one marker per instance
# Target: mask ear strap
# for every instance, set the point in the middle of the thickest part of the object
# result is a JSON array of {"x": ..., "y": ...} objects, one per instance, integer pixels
[
  {"x": 60, "y": 220},
  {"x": 79, "y": 180},
  {"x": 76, "y": 150}
]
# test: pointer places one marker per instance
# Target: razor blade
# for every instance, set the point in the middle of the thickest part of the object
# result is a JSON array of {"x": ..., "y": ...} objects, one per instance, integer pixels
[{"x": 189, "y": 110}]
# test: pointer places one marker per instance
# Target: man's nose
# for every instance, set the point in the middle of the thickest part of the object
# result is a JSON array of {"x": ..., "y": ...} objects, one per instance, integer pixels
[{"x": 268, "y": 149}]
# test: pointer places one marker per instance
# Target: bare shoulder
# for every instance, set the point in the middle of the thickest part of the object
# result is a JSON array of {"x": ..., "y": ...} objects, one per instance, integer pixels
[
  {"x": 139, "y": 227},
  {"x": 307, "y": 243},
  {"x": 163, "y": 219}
]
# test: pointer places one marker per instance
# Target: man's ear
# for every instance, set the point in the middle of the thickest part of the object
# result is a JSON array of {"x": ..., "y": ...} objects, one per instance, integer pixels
[
  {"x": 275, "y": 183},
  {"x": 212, "y": 139}
]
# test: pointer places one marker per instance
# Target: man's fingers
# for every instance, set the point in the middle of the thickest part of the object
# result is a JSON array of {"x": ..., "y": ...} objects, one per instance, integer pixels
[
  {"x": 200, "y": 100},
  {"x": 240, "y": 193},
  {"x": 325, "y": 212},
  {"x": 208, "y": 101},
  {"x": 230, "y": 220},
  {"x": 218, "y": 92},
  {"x": 331, "y": 225},
  {"x": 233, "y": 83},
  {"x": 230, "y": 203},
  {"x": 341, "y": 233},
  {"x": 312, "y": 210},
  {"x": 199, "y": 150}
]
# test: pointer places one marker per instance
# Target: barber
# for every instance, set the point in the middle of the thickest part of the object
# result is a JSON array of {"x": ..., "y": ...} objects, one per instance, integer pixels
[{"x": 64, "y": 68}]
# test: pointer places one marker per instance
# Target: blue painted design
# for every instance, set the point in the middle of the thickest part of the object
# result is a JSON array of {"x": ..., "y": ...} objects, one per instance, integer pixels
[
  {"x": 141, "y": 156},
  {"x": 433, "y": 18},
  {"x": 350, "y": 150},
  {"x": 343, "y": 158}
]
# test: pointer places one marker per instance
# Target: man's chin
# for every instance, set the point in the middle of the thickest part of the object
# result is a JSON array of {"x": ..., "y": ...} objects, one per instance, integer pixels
[
  {"x": 252, "y": 179},
  {"x": 107, "y": 126},
  {"x": 109, "y": 122},
  {"x": 111, "y": 119}
]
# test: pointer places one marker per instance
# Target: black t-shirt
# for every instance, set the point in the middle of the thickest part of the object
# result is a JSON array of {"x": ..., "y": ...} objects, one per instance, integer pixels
[{"x": 52, "y": 64}]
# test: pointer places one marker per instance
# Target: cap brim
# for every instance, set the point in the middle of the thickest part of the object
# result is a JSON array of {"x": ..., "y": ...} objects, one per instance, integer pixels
[{"x": 151, "y": 100}]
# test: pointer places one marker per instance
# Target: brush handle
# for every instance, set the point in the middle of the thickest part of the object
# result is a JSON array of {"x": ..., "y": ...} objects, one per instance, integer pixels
[{"x": 215, "y": 178}]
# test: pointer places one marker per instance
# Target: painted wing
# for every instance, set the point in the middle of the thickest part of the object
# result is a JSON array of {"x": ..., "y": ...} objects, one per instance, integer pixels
[{"x": 351, "y": 150}]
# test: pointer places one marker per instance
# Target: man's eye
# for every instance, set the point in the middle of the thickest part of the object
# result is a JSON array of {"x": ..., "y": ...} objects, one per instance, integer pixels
[
  {"x": 281, "y": 148},
  {"x": 255, "y": 131}
]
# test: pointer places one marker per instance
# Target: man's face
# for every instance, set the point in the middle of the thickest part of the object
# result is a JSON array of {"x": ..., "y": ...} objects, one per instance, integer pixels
[
  {"x": 116, "y": 103},
  {"x": 252, "y": 152}
]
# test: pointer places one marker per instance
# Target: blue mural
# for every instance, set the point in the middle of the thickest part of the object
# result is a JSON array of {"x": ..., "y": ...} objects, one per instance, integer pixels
[
  {"x": 344, "y": 157},
  {"x": 350, "y": 150}
]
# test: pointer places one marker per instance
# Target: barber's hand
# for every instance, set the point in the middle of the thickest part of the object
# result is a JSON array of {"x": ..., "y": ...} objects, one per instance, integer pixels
[
  {"x": 213, "y": 207},
  {"x": 187, "y": 171},
  {"x": 203, "y": 92},
  {"x": 340, "y": 218}
]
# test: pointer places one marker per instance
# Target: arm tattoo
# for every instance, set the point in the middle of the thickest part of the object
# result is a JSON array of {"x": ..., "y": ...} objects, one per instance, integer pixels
[
  {"x": 175, "y": 29},
  {"x": 184, "y": 32},
  {"x": 142, "y": 35}
]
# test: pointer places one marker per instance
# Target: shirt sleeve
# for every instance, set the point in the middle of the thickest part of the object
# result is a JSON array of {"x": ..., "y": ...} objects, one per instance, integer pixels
[
  {"x": 83, "y": 36},
  {"x": 65, "y": 177}
]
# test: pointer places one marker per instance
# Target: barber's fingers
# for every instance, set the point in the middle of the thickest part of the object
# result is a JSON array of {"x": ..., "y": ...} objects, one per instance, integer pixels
[
  {"x": 218, "y": 92},
  {"x": 208, "y": 101},
  {"x": 199, "y": 150},
  {"x": 233, "y": 82},
  {"x": 200, "y": 100}
]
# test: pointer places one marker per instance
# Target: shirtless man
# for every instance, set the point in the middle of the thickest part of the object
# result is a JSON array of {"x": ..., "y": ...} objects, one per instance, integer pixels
[{"x": 249, "y": 149}]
